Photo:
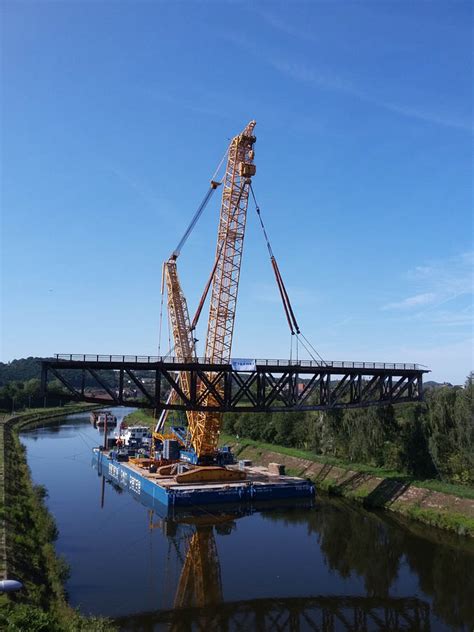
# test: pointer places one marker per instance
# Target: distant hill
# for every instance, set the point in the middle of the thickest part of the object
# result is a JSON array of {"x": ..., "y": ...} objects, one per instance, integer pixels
[
  {"x": 433, "y": 384},
  {"x": 20, "y": 370}
]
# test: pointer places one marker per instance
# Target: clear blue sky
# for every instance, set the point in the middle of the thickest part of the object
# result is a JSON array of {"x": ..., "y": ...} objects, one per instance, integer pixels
[{"x": 115, "y": 115}]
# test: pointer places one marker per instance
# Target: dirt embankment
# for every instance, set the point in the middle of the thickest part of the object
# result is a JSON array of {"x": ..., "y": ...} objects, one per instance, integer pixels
[{"x": 399, "y": 495}]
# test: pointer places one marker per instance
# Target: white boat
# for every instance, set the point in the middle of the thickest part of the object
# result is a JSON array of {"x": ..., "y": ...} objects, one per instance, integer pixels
[
  {"x": 135, "y": 436},
  {"x": 105, "y": 416}
]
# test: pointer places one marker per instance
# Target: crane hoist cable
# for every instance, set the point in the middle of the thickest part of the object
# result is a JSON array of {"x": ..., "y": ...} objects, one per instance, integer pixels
[
  {"x": 213, "y": 186},
  {"x": 161, "y": 308},
  {"x": 177, "y": 251},
  {"x": 290, "y": 315},
  {"x": 308, "y": 342},
  {"x": 194, "y": 220}
]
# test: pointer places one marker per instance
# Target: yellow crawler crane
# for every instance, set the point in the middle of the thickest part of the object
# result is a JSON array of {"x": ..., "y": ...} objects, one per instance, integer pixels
[{"x": 204, "y": 427}]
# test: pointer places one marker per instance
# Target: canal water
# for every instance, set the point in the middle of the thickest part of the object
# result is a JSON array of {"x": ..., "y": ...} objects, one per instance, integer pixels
[{"x": 330, "y": 566}]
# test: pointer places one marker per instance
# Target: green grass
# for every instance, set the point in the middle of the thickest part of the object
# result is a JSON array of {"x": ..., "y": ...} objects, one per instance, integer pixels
[
  {"x": 451, "y": 521},
  {"x": 446, "y": 488},
  {"x": 144, "y": 417},
  {"x": 461, "y": 491},
  {"x": 141, "y": 417}
]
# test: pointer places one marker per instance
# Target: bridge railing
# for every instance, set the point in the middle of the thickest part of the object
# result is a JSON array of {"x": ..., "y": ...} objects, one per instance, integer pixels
[{"x": 143, "y": 359}]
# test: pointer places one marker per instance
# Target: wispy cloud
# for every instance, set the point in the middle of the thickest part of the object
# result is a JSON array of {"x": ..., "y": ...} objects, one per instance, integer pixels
[
  {"x": 452, "y": 276},
  {"x": 306, "y": 74},
  {"x": 200, "y": 104},
  {"x": 286, "y": 27},
  {"x": 412, "y": 301},
  {"x": 143, "y": 190},
  {"x": 332, "y": 82},
  {"x": 327, "y": 79},
  {"x": 426, "y": 115},
  {"x": 451, "y": 318},
  {"x": 446, "y": 296}
]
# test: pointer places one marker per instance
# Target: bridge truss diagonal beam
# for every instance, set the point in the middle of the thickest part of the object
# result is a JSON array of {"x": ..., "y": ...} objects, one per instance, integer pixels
[{"x": 221, "y": 388}]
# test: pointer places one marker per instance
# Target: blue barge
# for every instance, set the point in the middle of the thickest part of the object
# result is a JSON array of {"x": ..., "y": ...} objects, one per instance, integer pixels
[{"x": 259, "y": 485}]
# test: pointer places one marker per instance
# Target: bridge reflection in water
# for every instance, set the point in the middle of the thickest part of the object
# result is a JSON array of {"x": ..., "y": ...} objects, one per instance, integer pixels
[{"x": 327, "y": 614}]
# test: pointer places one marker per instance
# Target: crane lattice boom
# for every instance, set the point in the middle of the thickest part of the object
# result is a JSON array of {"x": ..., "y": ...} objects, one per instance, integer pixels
[
  {"x": 181, "y": 329},
  {"x": 225, "y": 283},
  {"x": 204, "y": 427},
  {"x": 230, "y": 241}
]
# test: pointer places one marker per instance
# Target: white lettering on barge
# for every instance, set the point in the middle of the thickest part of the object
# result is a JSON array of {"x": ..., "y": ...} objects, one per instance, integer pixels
[{"x": 135, "y": 484}]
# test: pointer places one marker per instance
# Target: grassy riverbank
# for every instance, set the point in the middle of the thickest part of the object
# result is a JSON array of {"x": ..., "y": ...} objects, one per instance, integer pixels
[
  {"x": 28, "y": 534},
  {"x": 140, "y": 417},
  {"x": 433, "y": 502}
]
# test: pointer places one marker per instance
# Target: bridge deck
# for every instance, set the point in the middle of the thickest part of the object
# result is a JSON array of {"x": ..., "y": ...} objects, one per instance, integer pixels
[{"x": 250, "y": 386}]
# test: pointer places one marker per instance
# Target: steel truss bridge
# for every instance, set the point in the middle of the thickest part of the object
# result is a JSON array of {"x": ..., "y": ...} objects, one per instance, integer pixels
[
  {"x": 251, "y": 386},
  {"x": 325, "y": 614}
]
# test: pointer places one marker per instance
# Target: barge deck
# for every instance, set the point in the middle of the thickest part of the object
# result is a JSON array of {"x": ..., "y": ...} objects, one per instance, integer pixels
[{"x": 258, "y": 486}]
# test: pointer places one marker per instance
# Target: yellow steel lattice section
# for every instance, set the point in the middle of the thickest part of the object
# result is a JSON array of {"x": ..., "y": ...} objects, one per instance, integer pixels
[
  {"x": 182, "y": 334},
  {"x": 230, "y": 241}
]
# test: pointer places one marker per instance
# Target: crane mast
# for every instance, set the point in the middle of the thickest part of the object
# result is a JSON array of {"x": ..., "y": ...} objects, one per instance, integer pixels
[
  {"x": 230, "y": 241},
  {"x": 204, "y": 427},
  {"x": 225, "y": 282}
]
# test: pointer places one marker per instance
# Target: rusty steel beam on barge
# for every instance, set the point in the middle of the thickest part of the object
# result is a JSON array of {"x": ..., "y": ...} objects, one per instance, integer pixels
[{"x": 268, "y": 386}]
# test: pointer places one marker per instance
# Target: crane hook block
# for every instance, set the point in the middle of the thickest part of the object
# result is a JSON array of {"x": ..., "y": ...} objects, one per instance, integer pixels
[{"x": 247, "y": 169}]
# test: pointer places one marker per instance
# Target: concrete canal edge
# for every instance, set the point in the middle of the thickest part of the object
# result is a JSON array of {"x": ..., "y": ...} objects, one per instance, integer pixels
[
  {"x": 29, "y": 554},
  {"x": 397, "y": 494}
]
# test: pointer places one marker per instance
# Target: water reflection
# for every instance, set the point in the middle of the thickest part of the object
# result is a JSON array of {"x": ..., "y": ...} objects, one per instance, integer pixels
[
  {"x": 199, "y": 603},
  {"x": 374, "y": 547},
  {"x": 353, "y": 542},
  {"x": 332, "y": 566},
  {"x": 327, "y": 614}
]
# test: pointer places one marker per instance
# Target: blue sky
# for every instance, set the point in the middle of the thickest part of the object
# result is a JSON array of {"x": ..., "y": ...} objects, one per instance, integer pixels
[{"x": 116, "y": 114}]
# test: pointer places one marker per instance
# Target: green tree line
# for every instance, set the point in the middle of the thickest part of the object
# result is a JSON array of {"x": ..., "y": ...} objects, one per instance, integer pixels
[
  {"x": 18, "y": 395},
  {"x": 430, "y": 439}
]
